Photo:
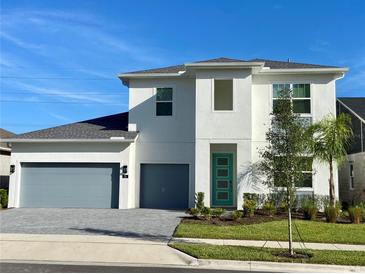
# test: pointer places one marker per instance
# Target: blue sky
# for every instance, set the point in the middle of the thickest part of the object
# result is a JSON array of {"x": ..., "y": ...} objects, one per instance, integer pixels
[{"x": 59, "y": 59}]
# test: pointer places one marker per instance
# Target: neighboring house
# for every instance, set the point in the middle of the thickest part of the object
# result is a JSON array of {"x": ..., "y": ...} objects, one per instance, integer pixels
[
  {"x": 352, "y": 173},
  {"x": 5, "y": 152},
  {"x": 190, "y": 128}
]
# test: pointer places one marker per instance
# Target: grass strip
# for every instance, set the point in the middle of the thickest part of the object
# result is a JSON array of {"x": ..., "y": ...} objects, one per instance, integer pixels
[
  {"x": 241, "y": 253},
  {"x": 311, "y": 231}
]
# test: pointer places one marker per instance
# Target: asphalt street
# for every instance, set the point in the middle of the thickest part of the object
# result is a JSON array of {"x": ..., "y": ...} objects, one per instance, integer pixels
[{"x": 59, "y": 268}]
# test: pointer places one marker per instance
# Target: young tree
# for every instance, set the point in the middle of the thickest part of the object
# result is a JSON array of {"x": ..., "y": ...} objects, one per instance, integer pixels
[
  {"x": 282, "y": 158},
  {"x": 330, "y": 139}
]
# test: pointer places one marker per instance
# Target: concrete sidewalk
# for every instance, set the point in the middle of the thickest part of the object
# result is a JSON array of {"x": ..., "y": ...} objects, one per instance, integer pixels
[
  {"x": 272, "y": 244},
  {"x": 88, "y": 249}
]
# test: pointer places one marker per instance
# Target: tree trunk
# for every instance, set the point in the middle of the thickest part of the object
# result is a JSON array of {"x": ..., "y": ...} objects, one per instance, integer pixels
[
  {"x": 331, "y": 185},
  {"x": 290, "y": 233}
]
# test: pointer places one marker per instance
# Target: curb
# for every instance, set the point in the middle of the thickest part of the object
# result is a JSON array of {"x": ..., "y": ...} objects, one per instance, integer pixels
[{"x": 276, "y": 267}]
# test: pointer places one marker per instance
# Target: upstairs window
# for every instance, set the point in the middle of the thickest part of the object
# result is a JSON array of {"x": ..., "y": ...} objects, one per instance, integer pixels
[
  {"x": 223, "y": 95},
  {"x": 300, "y": 97},
  {"x": 164, "y": 101}
]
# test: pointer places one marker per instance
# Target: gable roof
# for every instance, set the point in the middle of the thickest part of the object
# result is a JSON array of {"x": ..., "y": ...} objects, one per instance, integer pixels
[
  {"x": 99, "y": 128},
  {"x": 3, "y": 135},
  {"x": 267, "y": 63},
  {"x": 356, "y": 104}
]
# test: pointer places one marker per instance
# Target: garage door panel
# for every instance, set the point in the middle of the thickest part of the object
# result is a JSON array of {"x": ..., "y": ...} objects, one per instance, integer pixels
[
  {"x": 69, "y": 185},
  {"x": 164, "y": 186}
]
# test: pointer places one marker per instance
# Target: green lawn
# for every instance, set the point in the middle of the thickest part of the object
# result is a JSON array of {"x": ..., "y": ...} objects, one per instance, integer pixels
[
  {"x": 204, "y": 251},
  {"x": 311, "y": 231}
]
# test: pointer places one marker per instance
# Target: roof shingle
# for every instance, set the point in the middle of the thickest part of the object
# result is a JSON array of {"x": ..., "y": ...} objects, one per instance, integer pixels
[
  {"x": 99, "y": 128},
  {"x": 268, "y": 63}
]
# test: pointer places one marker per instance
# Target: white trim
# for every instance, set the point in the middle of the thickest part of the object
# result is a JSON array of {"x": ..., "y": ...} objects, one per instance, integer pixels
[
  {"x": 302, "y": 71},
  {"x": 142, "y": 75},
  {"x": 69, "y": 140}
]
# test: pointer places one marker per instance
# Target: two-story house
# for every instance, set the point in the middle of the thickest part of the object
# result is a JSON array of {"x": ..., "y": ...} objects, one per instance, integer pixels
[{"x": 192, "y": 127}]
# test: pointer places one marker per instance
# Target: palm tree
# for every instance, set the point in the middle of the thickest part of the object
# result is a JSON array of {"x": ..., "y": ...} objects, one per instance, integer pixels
[{"x": 328, "y": 144}]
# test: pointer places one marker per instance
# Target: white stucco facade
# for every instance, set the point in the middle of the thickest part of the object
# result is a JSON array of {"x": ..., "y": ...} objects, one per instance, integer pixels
[{"x": 195, "y": 130}]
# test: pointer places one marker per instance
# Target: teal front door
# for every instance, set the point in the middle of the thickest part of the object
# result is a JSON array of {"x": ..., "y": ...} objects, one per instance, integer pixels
[{"x": 222, "y": 179}]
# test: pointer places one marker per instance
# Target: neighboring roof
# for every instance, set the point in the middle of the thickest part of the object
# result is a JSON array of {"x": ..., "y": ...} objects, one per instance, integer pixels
[
  {"x": 356, "y": 104},
  {"x": 5, "y": 134},
  {"x": 99, "y": 128},
  {"x": 267, "y": 63}
]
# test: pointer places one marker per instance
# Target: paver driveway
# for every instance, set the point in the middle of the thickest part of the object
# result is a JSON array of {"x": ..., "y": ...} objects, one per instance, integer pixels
[{"x": 151, "y": 224}]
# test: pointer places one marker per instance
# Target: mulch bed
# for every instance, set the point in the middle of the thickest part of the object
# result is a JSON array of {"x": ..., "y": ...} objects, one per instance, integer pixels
[{"x": 259, "y": 217}]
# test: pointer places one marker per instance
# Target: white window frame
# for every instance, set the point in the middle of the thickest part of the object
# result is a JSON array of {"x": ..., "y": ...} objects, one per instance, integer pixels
[
  {"x": 172, "y": 101},
  {"x": 233, "y": 95},
  {"x": 291, "y": 83}
]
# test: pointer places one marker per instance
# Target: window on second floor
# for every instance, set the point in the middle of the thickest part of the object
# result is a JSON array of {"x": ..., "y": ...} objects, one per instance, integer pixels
[
  {"x": 300, "y": 97},
  {"x": 223, "y": 95},
  {"x": 164, "y": 101}
]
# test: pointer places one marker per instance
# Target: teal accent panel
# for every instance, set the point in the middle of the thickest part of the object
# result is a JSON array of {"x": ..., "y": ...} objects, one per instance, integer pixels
[
  {"x": 164, "y": 186},
  {"x": 222, "y": 179},
  {"x": 77, "y": 185}
]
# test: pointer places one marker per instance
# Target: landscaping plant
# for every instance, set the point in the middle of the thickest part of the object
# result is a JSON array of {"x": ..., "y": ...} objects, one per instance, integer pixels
[
  {"x": 309, "y": 206},
  {"x": 206, "y": 212},
  {"x": 330, "y": 138},
  {"x": 3, "y": 198},
  {"x": 249, "y": 206},
  {"x": 355, "y": 213},
  {"x": 269, "y": 208},
  {"x": 282, "y": 158},
  {"x": 217, "y": 212},
  {"x": 332, "y": 212},
  {"x": 199, "y": 200},
  {"x": 236, "y": 215}
]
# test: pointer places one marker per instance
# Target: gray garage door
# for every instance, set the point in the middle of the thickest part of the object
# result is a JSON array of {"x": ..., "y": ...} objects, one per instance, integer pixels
[
  {"x": 69, "y": 185},
  {"x": 164, "y": 186}
]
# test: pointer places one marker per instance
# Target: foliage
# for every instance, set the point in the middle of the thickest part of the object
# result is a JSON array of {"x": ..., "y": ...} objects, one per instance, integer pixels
[
  {"x": 205, "y": 251},
  {"x": 199, "y": 201},
  {"x": 236, "y": 215},
  {"x": 3, "y": 198},
  {"x": 309, "y": 205},
  {"x": 355, "y": 213},
  {"x": 269, "y": 208},
  {"x": 249, "y": 207},
  {"x": 193, "y": 211},
  {"x": 282, "y": 159},
  {"x": 217, "y": 212},
  {"x": 206, "y": 212},
  {"x": 332, "y": 212},
  {"x": 329, "y": 141}
]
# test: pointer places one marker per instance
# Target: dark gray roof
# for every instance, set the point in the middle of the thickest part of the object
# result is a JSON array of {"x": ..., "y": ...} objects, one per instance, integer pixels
[
  {"x": 268, "y": 63},
  {"x": 99, "y": 128},
  {"x": 356, "y": 104}
]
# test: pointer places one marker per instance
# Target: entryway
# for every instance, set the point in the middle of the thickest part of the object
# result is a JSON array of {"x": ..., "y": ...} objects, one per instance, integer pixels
[{"x": 222, "y": 179}]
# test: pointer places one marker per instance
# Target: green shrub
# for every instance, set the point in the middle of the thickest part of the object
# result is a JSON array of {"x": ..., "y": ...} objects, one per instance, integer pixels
[
  {"x": 249, "y": 207},
  {"x": 206, "y": 212},
  {"x": 217, "y": 212},
  {"x": 199, "y": 201},
  {"x": 269, "y": 208},
  {"x": 3, "y": 198},
  {"x": 355, "y": 213},
  {"x": 332, "y": 212},
  {"x": 193, "y": 212},
  {"x": 236, "y": 215},
  {"x": 310, "y": 207}
]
